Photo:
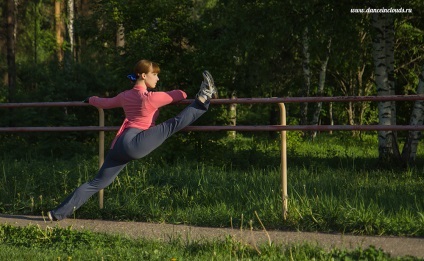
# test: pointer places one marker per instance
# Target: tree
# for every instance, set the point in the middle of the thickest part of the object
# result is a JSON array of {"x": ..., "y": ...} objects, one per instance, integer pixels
[
  {"x": 306, "y": 86},
  {"x": 351, "y": 69},
  {"x": 321, "y": 83},
  {"x": 82, "y": 14},
  {"x": 383, "y": 54},
  {"x": 417, "y": 117},
  {"x": 71, "y": 17},
  {"x": 409, "y": 48},
  {"x": 11, "y": 47},
  {"x": 317, "y": 31},
  {"x": 59, "y": 28}
]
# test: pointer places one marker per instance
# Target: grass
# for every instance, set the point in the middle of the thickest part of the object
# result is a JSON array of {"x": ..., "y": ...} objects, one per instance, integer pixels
[
  {"x": 334, "y": 186},
  {"x": 25, "y": 243}
]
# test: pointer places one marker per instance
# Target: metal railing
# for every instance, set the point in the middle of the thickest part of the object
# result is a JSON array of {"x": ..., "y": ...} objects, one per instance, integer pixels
[{"x": 282, "y": 128}]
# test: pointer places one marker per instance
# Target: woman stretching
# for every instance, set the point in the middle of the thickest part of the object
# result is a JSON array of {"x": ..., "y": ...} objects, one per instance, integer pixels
[{"x": 138, "y": 135}]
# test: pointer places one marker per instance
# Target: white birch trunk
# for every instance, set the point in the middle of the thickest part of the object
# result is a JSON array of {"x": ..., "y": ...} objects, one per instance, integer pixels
[
  {"x": 383, "y": 55},
  {"x": 417, "y": 117},
  {"x": 232, "y": 115},
  {"x": 120, "y": 38},
  {"x": 71, "y": 15},
  {"x": 321, "y": 85},
  {"x": 306, "y": 75}
]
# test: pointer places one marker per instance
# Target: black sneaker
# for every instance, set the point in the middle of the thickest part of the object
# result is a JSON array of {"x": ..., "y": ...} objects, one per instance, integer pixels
[
  {"x": 51, "y": 216},
  {"x": 207, "y": 88}
]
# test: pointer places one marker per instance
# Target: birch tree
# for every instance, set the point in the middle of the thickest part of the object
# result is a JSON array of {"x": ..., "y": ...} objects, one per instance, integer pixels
[
  {"x": 232, "y": 111},
  {"x": 321, "y": 83},
  {"x": 383, "y": 56},
  {"x": 120, "y": 38},
  {"x": 70, "y": 25},
  {"x": 417, "y": 117},
  {"x": 306, "y": 76}
]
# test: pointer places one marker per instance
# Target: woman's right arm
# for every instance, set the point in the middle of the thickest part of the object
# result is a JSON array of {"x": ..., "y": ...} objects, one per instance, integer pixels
[{"x": 159, "y": 99}]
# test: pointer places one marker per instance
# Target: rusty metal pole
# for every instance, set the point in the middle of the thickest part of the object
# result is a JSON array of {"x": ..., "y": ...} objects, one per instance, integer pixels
[
  {"x": 101, "y": 150},
  {"x": 284, "y": 193}
]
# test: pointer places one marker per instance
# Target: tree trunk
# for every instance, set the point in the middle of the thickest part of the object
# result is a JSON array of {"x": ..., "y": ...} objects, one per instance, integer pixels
[
  {"x": 58, "y": 29},
  {"x": 3, "y": 41},
  {"x": 11, "y": 48},
  {"x": 306, "y": 77},
  {"x": 232, "y": 115},
  {"x": 71, "y": 15},
  {"x": 330, "y": 115},
  {"x": 321, "y": 85},
  {"x": 410, "y": 149},
  {"x": 383, "y": 54},
  {"x": 350, "y": 113},
  {"x": 120, "y": 39},
  {"x": 82, "y": 10}
]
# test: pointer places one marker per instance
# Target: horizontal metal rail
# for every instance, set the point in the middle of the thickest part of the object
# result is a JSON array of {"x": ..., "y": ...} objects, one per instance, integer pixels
[
  {"x": 43, "y": 104},
  {"x": 233, "y": 128},
  {"x": 244, "y": 100},
  {"x": 316, "y": 99}
]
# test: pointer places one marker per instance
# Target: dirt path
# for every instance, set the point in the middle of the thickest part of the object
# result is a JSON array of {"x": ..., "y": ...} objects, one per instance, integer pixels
[{"x": 395, "y": 246}]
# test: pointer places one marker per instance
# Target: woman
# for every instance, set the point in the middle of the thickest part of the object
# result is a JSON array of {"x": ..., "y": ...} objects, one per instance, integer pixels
[{"x": 138, "y": 135}]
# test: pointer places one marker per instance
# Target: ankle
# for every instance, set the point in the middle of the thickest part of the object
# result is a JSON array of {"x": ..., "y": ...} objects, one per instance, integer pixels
[{"x": 201, "y": 98}]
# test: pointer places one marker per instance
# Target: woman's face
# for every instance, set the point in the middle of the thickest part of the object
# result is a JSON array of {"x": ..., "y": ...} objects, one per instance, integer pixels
[{"x": 150, "y": 79}]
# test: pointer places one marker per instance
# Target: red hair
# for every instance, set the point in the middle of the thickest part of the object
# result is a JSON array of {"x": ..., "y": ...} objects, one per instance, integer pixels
[{"x": 145, "y": 66}]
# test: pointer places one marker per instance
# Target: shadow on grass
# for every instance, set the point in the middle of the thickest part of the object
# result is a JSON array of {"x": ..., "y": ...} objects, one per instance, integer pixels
[{"x": 21, "y": 217}]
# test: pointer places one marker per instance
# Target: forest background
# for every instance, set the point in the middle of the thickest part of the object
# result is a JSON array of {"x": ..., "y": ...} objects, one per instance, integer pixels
[{"x": 66, "y": 50}]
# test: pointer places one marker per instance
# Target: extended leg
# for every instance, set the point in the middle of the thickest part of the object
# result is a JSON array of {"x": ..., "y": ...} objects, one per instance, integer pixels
[
  {"x": 147, "y": 141},
  {"x": 105, "y": 177}
]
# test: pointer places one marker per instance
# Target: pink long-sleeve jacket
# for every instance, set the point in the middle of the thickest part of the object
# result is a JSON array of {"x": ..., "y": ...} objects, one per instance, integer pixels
[{"x": 141, "y": 107}]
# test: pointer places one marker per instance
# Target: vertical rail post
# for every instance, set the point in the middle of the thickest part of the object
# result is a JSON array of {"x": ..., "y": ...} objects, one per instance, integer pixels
[
  {"x": 101, "y": 150},
  {"x": 283, "y": 161}
]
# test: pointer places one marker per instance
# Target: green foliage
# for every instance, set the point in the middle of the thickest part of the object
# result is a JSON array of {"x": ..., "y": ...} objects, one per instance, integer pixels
[{"x": 36, "y": 44}]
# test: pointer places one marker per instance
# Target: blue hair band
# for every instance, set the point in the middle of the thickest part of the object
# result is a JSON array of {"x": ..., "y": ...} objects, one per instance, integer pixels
[{"x": 132, "y": 77}]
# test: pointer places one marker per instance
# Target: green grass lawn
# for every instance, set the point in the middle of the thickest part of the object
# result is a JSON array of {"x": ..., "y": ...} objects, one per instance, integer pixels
[
  {"x": 334, "y": 185},
  {"x": 33, "y": 243}
]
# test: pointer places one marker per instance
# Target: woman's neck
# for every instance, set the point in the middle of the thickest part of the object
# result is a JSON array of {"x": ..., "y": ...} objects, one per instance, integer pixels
[{"x": 140, "y": 85}]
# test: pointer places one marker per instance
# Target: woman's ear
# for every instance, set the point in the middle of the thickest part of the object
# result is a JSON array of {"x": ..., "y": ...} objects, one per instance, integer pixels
[{"x": 143, "y": 76}]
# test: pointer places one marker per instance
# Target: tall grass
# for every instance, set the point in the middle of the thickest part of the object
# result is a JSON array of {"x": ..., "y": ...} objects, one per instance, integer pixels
[{"x": 334, "y": 186}]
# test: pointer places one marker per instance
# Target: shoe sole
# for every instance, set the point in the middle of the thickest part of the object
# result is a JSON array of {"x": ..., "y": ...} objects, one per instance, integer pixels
[{"x": 51, "y": 217}]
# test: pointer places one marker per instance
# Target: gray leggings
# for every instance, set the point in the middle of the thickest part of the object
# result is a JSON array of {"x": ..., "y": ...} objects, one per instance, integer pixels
[{"x": 132, "y": 144}]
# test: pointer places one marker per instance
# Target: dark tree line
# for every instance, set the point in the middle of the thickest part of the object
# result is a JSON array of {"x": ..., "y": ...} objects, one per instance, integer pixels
[{"x": 67, "y": 49}]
